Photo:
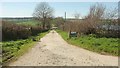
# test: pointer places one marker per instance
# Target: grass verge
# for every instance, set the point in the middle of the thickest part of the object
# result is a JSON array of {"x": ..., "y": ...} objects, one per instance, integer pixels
[
  {"x": 103, "y": 45},
  {"x": 11, "y": 50}
]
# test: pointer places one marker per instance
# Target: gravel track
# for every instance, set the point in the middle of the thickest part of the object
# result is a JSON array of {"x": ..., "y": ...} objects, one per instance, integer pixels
[{"x": 52, "y": 50}]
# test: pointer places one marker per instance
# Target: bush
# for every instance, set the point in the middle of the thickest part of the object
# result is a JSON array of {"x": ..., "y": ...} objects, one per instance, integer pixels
[{"x": 12, "y": 31}]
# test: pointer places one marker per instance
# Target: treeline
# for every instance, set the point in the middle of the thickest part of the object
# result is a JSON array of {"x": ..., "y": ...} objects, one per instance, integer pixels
[
  {"x": 12, "y": 31},
  {"x": 99, "y": 21}
]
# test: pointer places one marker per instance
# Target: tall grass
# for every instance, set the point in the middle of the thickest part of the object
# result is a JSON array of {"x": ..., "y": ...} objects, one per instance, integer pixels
[
  {"x": 13, "y": 49},
  {"x": 91, "y": 42}
]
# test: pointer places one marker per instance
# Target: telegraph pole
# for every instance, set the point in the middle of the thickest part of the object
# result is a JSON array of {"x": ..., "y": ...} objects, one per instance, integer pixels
[
  {"x": 64, "y": 21},
  {"x": 65, "y": 16}
]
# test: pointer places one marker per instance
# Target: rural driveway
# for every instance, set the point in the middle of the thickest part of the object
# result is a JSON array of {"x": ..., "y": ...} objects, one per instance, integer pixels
[{"x": 54, "y": 51}]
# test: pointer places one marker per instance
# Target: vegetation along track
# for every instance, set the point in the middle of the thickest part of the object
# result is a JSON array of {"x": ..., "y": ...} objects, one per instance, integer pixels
[{"x": 52, "y": 50}]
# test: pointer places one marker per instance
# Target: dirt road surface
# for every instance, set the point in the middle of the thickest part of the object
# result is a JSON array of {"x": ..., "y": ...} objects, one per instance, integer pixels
[{"x": 54, "y": 51}]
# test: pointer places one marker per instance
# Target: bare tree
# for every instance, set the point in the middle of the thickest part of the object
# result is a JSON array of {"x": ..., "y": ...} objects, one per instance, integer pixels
[
  {"x": 43, "y": 12},
  {"x": 111, "y": 21},
  {"x": 94, "y": 17},
  {"x": 96, "y": 12},
  {"x": 111, "y": 16}
]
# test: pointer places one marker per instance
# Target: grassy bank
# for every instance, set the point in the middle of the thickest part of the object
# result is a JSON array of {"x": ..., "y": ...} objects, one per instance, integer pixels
[
  {"x": 11, "y": 50},
  {"x": 90, "y": 42}
]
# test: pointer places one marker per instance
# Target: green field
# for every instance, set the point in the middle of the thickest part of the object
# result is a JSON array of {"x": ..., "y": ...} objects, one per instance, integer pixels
[
  {"x": 103, "y": 45},
  {"x": 14, "y": 49},
  {"x": 25, "y": 22},
  {"x": 30, "y": 23}
]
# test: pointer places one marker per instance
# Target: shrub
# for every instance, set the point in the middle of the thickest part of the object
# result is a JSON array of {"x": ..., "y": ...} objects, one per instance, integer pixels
[{"x": 12, "y": 31}]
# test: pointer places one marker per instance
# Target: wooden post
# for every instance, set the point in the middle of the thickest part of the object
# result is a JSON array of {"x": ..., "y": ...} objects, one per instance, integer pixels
[{"x": 69, "y": 34}]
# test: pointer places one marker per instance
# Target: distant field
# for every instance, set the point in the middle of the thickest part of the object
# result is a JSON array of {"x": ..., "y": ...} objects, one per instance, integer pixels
[
  {"x": 90, "y": 42},
  {"x": 30, "y": 23},
  {"x": 22, "y": 21}
]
